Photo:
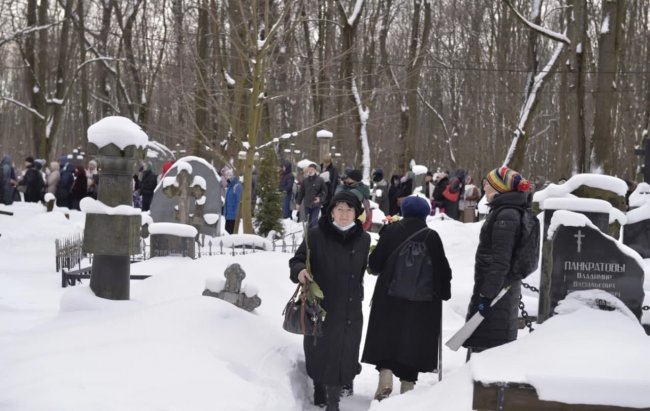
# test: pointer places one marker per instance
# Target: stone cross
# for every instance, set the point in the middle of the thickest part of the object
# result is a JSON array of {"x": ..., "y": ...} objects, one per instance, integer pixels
[
  {"x": 185, "y": 188},
  {"x": 232, "y": 290}
]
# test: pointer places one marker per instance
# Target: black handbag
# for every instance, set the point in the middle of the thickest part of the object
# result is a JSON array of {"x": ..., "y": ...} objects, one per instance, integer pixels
[{"x": 302, "y": 316}]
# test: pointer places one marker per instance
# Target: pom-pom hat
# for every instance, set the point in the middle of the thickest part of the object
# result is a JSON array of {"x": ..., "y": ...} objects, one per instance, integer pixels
[{"x": 504, "y": 179}]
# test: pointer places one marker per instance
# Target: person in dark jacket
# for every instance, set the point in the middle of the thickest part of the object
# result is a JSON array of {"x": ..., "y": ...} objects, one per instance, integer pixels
[
  {"x": 33, "y": 182},
  {"x": 63, "y": 189},
  {"x": 402, "y": 336},
  {"x": 338, "y": 255},
  {"x": 506, "y": 191},
  {"x": 328, "y": 167},
  {"x": 380, "y": 190},
  {"x": 79, "y": 188},
  {"x": 393, "y": 193},
  {"x": 286, "y": 187},
  {"x": 7, "y": 181},
  {"x": 311, "y": 195},
  {"x": 148, "y": 186}
]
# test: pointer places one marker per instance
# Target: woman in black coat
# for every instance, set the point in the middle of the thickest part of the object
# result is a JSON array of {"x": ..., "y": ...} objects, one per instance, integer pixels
[
  {"x": 402, "y": 336},
  {"x": 506, "y": 193},
  {"x": 338, "y": 256}
]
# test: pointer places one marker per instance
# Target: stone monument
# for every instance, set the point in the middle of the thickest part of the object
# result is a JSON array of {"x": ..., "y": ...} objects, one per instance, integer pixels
[
  {"x": 173, "y": 238},
  {"x": 636, "y": 232},
  {"x": 231, "y": 290},
  {"x": 112, "y": 229},
  {"x": 203, "y": 212},
  {"x": 583, "y": 258}
]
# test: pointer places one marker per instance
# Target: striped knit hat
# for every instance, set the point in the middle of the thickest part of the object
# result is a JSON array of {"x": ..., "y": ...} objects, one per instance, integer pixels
[{"x": 504, "y": 179}]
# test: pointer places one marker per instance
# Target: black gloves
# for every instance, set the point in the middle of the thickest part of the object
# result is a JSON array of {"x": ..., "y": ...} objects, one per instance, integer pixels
[{"x": 484, "y": 305}]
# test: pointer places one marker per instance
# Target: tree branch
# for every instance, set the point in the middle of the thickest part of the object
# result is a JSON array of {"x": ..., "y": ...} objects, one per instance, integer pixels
[{"x": 541, "y": 30}]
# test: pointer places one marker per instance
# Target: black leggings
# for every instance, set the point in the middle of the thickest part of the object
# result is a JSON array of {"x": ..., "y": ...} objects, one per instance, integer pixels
[{"x": 403, "y": 372}]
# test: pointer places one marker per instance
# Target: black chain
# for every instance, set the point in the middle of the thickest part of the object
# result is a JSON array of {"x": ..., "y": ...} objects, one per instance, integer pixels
[
  {"x": 646, "y": 308},
  {"x": 530, "y": 287},
  {"x": 524, "y": 314}
]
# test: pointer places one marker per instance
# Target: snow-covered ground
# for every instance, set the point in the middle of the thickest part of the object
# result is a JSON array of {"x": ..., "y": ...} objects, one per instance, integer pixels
[{"x": 170, "y": 348}]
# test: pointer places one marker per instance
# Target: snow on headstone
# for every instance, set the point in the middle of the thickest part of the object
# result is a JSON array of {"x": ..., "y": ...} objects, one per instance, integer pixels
[
  {"x": 324, "y": 134},
  {"x": 117, "y": 130},
  {"x": 584, "y": 258}
]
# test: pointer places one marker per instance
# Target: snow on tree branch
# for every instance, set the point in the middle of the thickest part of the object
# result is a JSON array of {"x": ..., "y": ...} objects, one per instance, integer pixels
[
  {"x": 27, "y": 30},
  {"x": 538, "y": 81},
  {"x": 542, "y": 30},
  {"x": 22, "y": 105}
]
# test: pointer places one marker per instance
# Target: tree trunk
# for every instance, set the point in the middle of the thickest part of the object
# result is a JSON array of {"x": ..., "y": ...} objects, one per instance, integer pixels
[
  {"x": 610, "y": 47},
  {"x": 202, "y": 81},
  {"x": 419, "y": 43}
]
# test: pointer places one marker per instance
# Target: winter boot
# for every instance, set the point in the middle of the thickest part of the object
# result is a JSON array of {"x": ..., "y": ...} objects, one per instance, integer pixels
[
  {"x": 406, "y": 386},
  {"x": 333, "y": 397},
  {"x": 320, "y": 396},
  {"x": 385, "y": 386},
  {"x": 347, "y": 390}
]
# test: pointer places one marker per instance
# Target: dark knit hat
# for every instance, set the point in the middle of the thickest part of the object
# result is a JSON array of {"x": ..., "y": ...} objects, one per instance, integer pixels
[
  {"x": 348, "y": 197},
  {"x": 415, "y": 206},
  {"x": 504, "y": 179},
  {"x": 354, "y": 175}
]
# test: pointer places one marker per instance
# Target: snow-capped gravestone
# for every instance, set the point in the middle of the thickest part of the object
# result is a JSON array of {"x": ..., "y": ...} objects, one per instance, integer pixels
[
  {"x": 232, "y": 291},
  {"x": 112, "y": 228},
  {"x": 599, "y": 197},
  {"x": 177, "y": 238},
  {"x": 203, "y": 212},
  {"x": 585, "y": 258},
  {"x": 636, "y": 232}
]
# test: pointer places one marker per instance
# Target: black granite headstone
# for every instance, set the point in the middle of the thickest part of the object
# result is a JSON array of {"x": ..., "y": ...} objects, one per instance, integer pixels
[
  {"x": 637, "y": 237},
  {"x": 584, "y": 258}
]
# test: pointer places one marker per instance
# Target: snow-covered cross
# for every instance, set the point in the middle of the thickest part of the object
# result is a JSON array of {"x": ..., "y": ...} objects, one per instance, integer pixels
[{"x": 183, "y": 186}]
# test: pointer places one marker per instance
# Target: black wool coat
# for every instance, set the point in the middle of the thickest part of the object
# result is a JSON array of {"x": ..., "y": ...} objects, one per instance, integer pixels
[
  {"x": 400, "y": 330},
  {"x": 497, "y": 241},
  {"x": 338, "y": 262}
]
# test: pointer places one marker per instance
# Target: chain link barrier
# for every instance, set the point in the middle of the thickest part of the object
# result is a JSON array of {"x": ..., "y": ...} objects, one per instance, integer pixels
[{"x": 522, "y": 307}]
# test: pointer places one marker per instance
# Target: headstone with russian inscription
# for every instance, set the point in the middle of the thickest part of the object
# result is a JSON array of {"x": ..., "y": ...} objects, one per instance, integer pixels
[{"x": 584, "y": 258}]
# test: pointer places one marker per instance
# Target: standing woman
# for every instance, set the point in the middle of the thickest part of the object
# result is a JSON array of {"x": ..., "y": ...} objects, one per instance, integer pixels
[
  {"x": 402, "y": 337},
  {"x": 506, "y": 192},
  {"x": 338, "y": 249}
]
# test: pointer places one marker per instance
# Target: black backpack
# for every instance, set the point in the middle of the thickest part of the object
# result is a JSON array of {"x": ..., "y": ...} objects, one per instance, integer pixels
[
  {"x": 525, "y": 257},
  {"x": 412, "y": 270}
]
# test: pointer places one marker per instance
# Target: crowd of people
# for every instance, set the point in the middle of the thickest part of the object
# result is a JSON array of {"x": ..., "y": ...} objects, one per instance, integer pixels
[
  {"x": 69, "y": 180},
  {"x": 403, "y": 329},
  {"x": 454, "y": 194}
]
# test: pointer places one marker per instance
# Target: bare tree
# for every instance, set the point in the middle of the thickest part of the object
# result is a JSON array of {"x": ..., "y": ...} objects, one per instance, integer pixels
[{"x": 610, "y": 47}]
